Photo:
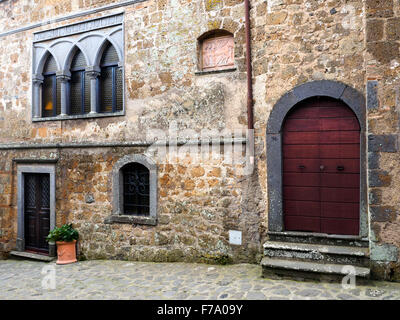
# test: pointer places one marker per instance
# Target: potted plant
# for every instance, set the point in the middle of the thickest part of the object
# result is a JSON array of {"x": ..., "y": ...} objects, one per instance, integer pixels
[{"x": 65, "y": 237}]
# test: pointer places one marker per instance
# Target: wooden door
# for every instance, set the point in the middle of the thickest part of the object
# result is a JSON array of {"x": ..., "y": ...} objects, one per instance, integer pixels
[
  {"x": 37, "y": 211},
  {"x": 321, "y": 168}
]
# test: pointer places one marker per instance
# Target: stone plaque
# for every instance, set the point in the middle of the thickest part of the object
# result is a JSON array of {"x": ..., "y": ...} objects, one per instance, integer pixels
[{"x": 218, "y": 53}]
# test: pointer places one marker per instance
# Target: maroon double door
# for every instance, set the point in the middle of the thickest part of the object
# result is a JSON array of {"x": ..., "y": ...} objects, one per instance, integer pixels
[
  {"x": 36, "y": 211},
  {"x": 321, "y": 168}
]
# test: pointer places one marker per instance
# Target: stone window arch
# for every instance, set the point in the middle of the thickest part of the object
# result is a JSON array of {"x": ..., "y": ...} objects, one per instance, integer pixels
[
  {"x": 216, "y": 51},
  {"x": 134, "y": 186},
  {"x": 324, "y": 88}
]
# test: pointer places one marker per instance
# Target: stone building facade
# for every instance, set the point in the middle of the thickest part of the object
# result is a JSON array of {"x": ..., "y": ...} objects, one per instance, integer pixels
[{"x": 93, "y": 90}]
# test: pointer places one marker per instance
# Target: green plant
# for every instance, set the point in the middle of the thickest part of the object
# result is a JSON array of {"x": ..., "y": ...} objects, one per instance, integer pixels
[{"x": 63, "y": 233}]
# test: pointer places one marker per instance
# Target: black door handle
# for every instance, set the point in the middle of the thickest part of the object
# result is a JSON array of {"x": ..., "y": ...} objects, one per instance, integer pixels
[
  {"x": 302, "y": 167},
  {"x": 340, "y": 168}
]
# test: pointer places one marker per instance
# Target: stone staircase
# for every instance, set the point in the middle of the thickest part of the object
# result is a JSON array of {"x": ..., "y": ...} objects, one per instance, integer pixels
[{"x": 315, "y": 256}]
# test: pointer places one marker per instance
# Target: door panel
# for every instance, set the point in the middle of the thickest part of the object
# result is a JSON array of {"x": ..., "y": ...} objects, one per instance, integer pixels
[
  {"x": 340, "y": 195},
  {"x": 310, "y": 224},
  {"x": 340, "y": 180},
  {"x": 340, "y": 151},
  {"x": 340, "y": 226},
  {"x": 301, "y": 193},
  {"x": 37, "y": 211},
  {"x": 303, "y": 208},
  {"x": 302, "y": 179},
  {"x": 301, "y": 152},
  {"x": 340, "y": 210},
  {"x": 321, "y": 168}
]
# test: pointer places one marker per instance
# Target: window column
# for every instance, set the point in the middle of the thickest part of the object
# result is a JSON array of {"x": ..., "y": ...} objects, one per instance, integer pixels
[
  {"x": 37, "y": 81},
  {"x": 64, "y": 96},
  {"x": 93, "y": 73}
]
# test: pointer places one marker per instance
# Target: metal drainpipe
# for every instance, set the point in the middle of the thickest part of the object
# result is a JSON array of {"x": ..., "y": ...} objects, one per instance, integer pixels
[{"x": 250, "y": 124}]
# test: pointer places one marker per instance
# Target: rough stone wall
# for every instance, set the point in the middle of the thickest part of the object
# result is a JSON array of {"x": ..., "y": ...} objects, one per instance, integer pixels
[
  {"x": 6, "y": 222},
  {"x": 382, "y": 66},
  {"x": 198, "y": 201},
  {"x": 298, "y": 41}
]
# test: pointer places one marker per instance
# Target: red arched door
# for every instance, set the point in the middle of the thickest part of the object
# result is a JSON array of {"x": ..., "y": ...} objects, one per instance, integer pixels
[{"x": 321, "y": 168}]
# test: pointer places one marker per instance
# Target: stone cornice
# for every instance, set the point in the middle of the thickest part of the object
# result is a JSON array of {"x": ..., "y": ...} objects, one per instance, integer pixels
[
  {"x": 71, "y": 16},
  {"x": 79, "y": 27}
]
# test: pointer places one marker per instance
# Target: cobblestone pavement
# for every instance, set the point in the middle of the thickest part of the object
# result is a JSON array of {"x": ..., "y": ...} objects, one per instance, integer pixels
[{"x": 22, "y": 279}]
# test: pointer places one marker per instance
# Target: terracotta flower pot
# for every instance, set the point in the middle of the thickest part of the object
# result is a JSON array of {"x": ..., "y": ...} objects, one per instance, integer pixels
[{"x": 66, "y": 252}]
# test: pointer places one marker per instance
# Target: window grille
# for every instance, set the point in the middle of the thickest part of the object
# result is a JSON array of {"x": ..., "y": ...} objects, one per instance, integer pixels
[{"x": 136, "y": 189}]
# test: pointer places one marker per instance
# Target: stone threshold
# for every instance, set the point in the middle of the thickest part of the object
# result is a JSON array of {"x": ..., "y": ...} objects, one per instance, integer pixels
[
  {"x": 30, "y": 255},
  {"x": 202, "y": 73},
  {"x": 308, "y": 247},
  {"x": 304, "y": 266},
  {"x": 316, "y": 235},
  {"x": 130, "y": 220}
]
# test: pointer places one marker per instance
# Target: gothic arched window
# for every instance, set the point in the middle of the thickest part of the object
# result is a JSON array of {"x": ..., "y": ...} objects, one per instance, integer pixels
[
  {"x": 79, "y": 89},
  {"x": 51, "y": 89},
  {"x": 110, "y": 81}
]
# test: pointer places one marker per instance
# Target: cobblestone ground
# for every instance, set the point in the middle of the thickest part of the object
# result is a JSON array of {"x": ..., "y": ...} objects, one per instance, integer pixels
[{"x": 22, "y": 279}]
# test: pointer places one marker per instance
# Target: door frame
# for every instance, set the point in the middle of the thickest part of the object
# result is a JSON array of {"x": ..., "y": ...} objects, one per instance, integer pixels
[
  {"x": 324, "y": 88},
  {"x": 34, "y": 168}
]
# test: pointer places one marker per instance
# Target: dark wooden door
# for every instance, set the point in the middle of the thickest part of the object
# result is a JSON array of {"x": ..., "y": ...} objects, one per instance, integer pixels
[
  {"x": 37, "y": 211},
  {"x": 321, "y": 168}
]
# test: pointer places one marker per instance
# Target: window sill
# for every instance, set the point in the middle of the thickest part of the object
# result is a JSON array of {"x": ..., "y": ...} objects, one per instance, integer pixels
[
  {"x": 115, "y": 218},
  {"x": 201, "y": 73},
  {"x": 80, "y": 116}
]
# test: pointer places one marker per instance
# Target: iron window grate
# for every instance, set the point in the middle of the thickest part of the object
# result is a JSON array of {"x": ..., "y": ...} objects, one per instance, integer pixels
[{"x": 136, "y": 189}]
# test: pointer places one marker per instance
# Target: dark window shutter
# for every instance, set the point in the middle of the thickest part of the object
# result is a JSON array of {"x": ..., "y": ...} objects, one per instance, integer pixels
[
  {"x": 106, "y": 89},
  {"x": 111, "y": 82},
  {"x": 58, "y": 97},
  {"x": 76, "y": 93},
  {"x": 79, "y": 86},
  {"x": 87, "y": 94},
  {"x": 119, "y": 91},
  {"x": 78, "y": 62},
  {"x": 110, "y": 56},
  {"x": 50, "y": 66}
]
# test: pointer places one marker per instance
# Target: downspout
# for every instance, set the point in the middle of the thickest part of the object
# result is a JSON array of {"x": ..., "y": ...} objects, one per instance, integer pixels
[
  {"x": 250, "y": 124},
  {"x": 250, "y": 120}
]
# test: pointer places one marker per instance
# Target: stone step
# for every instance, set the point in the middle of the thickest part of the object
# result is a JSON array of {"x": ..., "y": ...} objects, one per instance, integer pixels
[
  {"x": 272, "y": 267},
  {"x": 344, "y": 255},
  {"x": 30, "y": 255},
  {"x": 318, "y": 238}
]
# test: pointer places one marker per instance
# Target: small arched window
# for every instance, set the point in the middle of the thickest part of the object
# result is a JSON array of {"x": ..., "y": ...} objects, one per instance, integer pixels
[
  {"x": 110, "y": 81},
  {"x": 136, "y": 189},
  {"x": 216, "y": 51},
  {"x": 79, "y": 90},
  {"x": 51, "y": 89}
]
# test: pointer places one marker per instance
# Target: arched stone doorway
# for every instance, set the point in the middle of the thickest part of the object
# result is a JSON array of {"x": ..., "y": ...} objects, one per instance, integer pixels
[{"x": 328, "y": 90}]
